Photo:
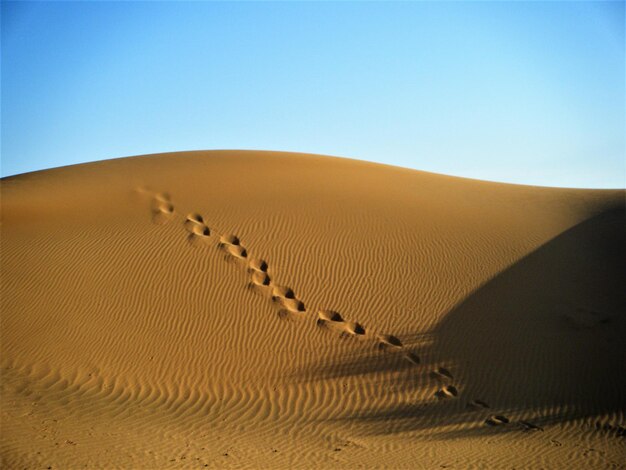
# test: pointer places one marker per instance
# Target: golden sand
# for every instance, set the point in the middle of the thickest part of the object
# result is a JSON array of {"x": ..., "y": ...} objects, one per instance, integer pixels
[{"x": 271, "y": 310}]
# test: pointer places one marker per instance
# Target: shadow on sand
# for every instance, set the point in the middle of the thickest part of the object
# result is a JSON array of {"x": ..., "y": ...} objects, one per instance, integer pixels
[{"x": 545, "y": 341}]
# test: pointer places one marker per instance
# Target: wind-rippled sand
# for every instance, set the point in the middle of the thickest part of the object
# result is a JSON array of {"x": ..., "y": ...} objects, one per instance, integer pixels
[{"x": 272, "y": 310}]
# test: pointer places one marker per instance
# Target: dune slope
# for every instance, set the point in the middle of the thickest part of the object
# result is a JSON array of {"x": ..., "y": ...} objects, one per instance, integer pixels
[{"x": 273, "y": 310}]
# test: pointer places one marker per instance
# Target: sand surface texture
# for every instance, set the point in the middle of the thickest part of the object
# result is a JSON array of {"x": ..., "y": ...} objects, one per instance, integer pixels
[{"x": 272, "y": 310}]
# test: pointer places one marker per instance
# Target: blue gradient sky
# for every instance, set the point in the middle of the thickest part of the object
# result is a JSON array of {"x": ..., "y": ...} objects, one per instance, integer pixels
[{"x": 520, "y": 92}]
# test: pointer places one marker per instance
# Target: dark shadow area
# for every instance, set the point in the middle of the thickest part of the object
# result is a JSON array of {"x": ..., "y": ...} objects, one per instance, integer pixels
[{"x": 543, "y": 341}]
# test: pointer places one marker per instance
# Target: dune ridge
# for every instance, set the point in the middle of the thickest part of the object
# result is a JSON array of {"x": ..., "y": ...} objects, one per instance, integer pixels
[{"x": 272, "y": 310}]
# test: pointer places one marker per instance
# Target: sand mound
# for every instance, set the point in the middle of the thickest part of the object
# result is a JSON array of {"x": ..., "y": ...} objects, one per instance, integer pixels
[{"x": 153, "y": 316}]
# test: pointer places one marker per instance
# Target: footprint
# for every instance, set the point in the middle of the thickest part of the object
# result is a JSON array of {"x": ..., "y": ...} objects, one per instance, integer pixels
[
  {"x": 441, "y": 373},
  {"x": 143, "y": 189},
  {"x": 260, "y": 278},
  {"x": 202, "y": 230},
  {"x": 230, "y": 240},
  {"x": 331, "y": 320},
  {"x": 412, "y": 358},
  {"x": 257, "y": 264},
  {"x": 530, "y": 426},
  {"x": 282, "y": 292},
  {"x": 449, "y": 391},
  {"x": 618, "y": 430},
  {"x": 355, "y": 328},
  {"x": 291, "y": 308},
  {"x": 163, "y": 197},
  {"x": 294, "y": 305},
  {"x": 388, "y": 340},
  {"x": 496, "y": 420},
  {"x": 328, "y": 316},
  {"x": 237, "y": 251},
  {"x": 287, "y": 299},
  {"x": 232, "y": 245},
  {"x": 477, "y": 404},
  {"x": 196, "y": 226},
  {"x": 162, "y": 209},
  {"x": 195, "y": 218}
]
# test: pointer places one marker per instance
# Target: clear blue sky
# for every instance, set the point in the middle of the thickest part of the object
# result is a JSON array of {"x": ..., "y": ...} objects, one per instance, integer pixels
[{"x": 520, "y": 92}]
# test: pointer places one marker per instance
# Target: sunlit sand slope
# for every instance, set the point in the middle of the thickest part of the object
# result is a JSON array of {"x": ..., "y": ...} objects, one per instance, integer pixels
[{"x": 273, "y": 310}]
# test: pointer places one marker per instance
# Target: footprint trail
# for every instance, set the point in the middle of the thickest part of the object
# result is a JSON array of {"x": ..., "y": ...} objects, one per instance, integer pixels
[{"x": 292, "y": 307}]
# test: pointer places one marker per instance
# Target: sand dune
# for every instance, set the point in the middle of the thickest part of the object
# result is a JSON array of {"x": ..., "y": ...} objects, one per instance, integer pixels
[{"x": 272, "y": 310}]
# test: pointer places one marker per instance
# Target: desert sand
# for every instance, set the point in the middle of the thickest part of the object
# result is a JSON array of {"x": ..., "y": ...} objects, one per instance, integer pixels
[{"x": 240, "y": 309}]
